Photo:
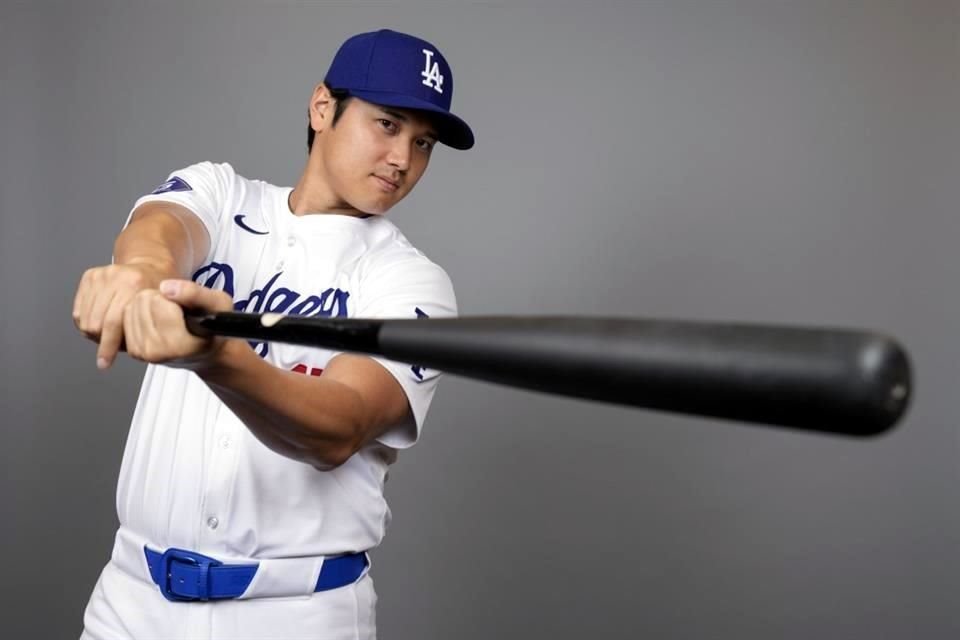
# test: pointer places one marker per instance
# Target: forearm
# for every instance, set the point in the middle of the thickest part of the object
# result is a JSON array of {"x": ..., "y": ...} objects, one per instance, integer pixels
[
  {"x": 315, "y": 420},
  {"x": 164, "y": 237}
]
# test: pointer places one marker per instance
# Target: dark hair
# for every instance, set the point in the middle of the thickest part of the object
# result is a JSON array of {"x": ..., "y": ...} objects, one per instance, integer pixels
[{"x": 342, "y": 97}]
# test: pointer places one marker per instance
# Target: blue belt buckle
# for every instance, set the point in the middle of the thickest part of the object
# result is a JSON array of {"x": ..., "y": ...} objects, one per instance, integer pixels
[{"x": 202, "y": 562}]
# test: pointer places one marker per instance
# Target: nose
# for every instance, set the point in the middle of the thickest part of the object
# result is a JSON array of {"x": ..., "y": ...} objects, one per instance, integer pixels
[{"x": 399, "y": 154}]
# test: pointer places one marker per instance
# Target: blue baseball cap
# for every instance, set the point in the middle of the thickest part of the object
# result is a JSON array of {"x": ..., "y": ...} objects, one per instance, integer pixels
[{"x": 394, "y": 69}]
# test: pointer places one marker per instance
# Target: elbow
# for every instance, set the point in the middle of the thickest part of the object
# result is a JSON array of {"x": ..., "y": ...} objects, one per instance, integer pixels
[
  {"x": 331, "y": 458},
  {"x": 332, "y": 454}
]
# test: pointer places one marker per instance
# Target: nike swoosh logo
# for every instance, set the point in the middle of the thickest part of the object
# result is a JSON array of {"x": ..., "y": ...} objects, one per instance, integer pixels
[{"x": 243, "y": 225}]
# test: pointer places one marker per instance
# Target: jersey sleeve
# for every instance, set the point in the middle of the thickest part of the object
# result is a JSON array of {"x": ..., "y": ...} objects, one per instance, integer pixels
[
  {"x": 204, "y": 188},
  {"x": 409, "y": 289}
]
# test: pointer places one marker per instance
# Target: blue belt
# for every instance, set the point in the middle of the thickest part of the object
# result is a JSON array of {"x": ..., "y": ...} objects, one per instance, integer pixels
[{"x": 187, "y": 575}]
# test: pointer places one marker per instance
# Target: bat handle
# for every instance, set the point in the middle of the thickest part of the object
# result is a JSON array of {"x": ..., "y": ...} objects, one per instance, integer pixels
[{"x": 196, "y": 323}]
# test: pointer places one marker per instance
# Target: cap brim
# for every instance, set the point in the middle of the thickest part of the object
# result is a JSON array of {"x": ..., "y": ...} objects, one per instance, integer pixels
[{"x": 451, "y": 130}]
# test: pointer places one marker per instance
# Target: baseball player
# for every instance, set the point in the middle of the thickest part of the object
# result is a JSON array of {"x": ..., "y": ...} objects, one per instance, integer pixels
[{"x": 251, "y": 485}]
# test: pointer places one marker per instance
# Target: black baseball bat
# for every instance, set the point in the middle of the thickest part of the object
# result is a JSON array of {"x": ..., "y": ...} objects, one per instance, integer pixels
[{"x": 839, "y": 381}]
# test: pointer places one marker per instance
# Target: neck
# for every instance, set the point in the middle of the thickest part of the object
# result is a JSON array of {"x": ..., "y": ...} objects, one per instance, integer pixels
[{"x": 313, "y": 196}]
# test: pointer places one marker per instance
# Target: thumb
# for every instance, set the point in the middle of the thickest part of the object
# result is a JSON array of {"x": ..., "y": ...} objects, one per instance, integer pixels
[{"x": 191, "y": 295}]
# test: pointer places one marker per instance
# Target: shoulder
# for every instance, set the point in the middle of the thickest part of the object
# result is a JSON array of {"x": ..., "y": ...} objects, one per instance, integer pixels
[
  {"x": 391, "y": 252},
  {"x": 205, "y": 169},
  {"x": 207, "y": 174},
  {"x": 399, "y": 280}
]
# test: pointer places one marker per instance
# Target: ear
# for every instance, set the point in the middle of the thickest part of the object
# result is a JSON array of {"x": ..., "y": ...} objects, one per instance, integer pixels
[{"x": 320, "y": 109}]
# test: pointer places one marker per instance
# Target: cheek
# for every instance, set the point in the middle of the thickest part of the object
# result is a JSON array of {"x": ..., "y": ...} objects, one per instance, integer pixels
[{"x": 347, "y": 163}]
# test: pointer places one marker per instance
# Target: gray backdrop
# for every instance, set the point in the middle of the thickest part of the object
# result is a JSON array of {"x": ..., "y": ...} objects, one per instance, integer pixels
[{"x": 791, "y": 162}]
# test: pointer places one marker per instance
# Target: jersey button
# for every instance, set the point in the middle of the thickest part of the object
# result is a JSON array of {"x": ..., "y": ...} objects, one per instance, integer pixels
[
  {"x": 280, "y": 265},
  {"x": 212, "y": 522},
  {"x": 225, "y": 442},
  {"x": 291, "y": 241}
]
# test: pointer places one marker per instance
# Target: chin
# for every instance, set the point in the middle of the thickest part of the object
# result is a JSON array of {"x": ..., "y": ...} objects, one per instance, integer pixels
[
  {"x": 372, "y": 210},
  {"x": 376, "y": 208}
]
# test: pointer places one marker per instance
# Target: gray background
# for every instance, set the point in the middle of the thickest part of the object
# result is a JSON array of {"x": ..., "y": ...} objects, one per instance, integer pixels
[{"x": 768, "y": 161}]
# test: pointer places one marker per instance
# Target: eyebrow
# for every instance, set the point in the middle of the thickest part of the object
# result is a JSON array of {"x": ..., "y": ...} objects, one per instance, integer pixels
[{"x": 403, "y": 118}]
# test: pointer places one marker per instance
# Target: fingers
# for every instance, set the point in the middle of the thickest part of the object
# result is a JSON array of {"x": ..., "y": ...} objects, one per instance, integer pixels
[
  {"x": 191, "y": 295},
  {"x": 139, "y": 327},
  {"x": 155, "y": 332},
  {"x": 96, "y": 294},
  {"x": 79, "y": 302},
  {"x": 89, "y": 305},
  {"x": 111, "y": 332},
  {"x": 133, "y": 331},
  {"x": 98, "y": 306}
]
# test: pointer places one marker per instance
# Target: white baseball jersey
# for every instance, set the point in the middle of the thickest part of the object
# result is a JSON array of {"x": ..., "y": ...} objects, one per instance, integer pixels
[{"x": 193, "y": 476}]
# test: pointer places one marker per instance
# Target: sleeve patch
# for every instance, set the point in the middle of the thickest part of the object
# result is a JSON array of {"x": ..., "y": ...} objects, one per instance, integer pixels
[{"x": 173, "y": 184}]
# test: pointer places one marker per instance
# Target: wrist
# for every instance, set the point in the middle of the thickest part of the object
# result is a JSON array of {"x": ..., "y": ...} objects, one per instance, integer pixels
[
  {"x": 154, "y": 268},
  {"x": 223, "y": 359}
]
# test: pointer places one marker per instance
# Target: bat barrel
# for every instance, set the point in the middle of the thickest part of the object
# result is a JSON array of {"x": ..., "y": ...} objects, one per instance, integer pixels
[{"x": 837, "y": 381}]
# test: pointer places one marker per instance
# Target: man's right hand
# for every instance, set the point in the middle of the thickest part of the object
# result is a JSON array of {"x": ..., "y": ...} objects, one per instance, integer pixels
[{"x": 102, "y": 296}]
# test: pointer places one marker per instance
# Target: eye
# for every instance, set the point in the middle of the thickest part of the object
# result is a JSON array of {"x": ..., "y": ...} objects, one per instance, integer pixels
[
  {"x": 388, "y": 125},
  {"x": 425, "y": 144}
]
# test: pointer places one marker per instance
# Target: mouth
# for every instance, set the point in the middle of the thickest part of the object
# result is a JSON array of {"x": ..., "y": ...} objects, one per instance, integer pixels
[{"x": 389, "y": 186}]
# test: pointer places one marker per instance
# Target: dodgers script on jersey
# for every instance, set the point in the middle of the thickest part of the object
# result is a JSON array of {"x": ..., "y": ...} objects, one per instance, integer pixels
[{"x": 193, "y": 476}]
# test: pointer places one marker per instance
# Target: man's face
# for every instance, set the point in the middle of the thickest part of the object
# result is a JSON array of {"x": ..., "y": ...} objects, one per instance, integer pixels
[{"x": 375, "y": 155}]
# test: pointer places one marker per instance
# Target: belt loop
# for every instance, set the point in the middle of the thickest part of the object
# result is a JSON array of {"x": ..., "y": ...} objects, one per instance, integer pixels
[{"x": 203, "y": 582}]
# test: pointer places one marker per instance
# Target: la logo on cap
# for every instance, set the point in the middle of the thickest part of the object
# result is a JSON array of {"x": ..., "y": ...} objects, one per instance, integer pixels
[{"x": 431, "y": 75}]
